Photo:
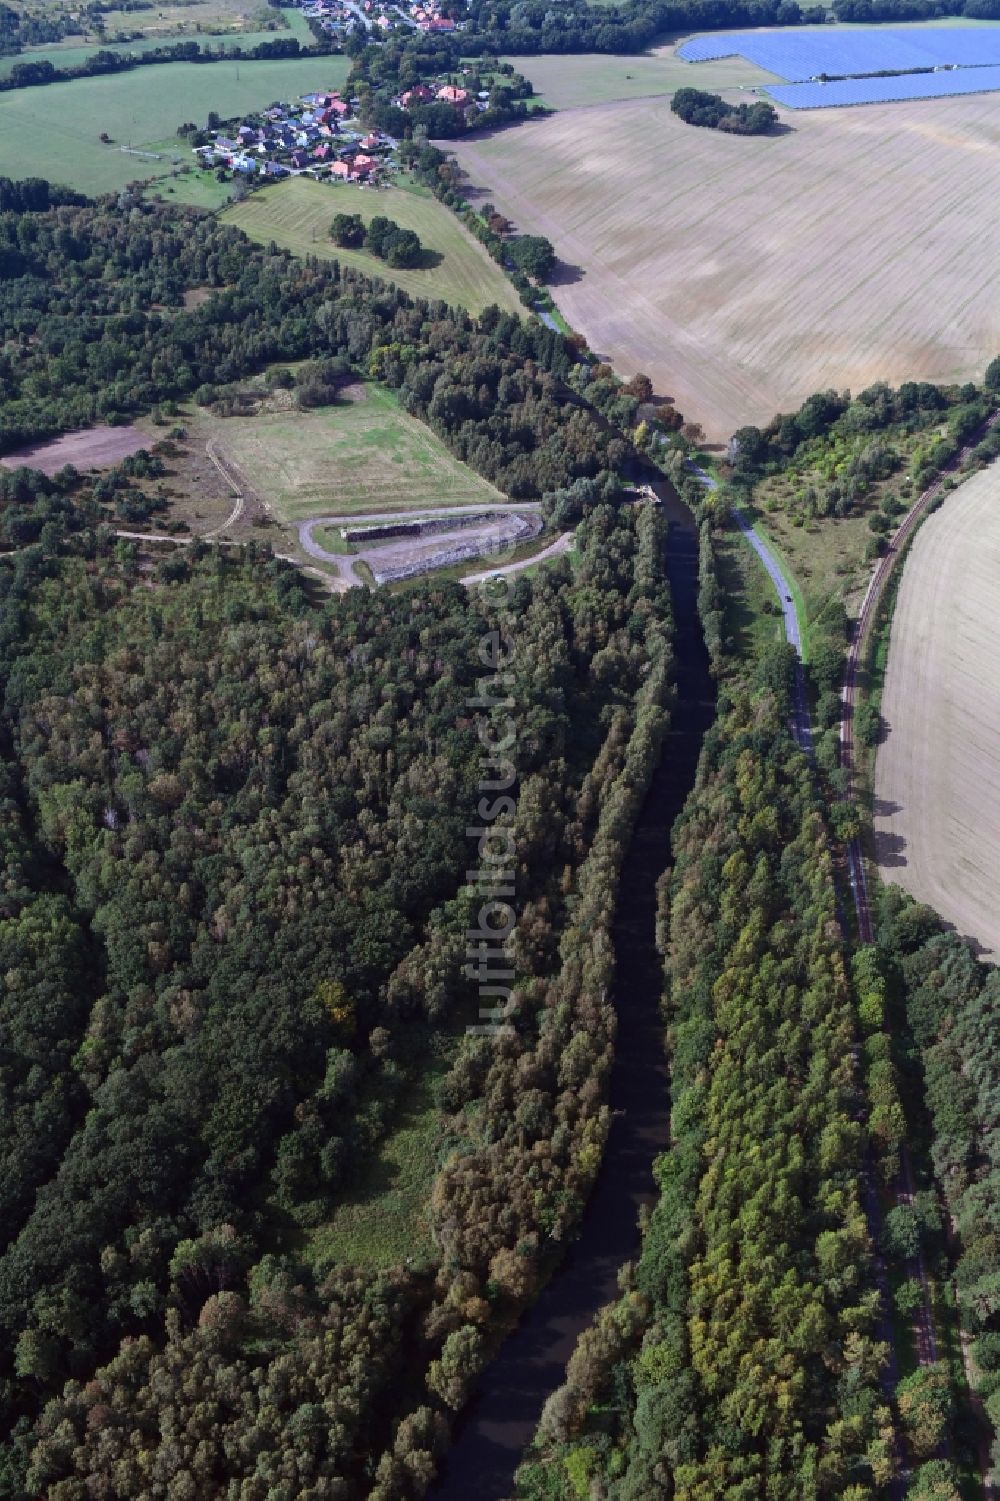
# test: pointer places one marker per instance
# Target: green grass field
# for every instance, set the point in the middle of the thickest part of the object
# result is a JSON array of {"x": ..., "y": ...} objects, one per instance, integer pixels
[
  {"x": 196, "y": 186},
  {"x": 364, "y": 455},
  {"x": 297, "y": 215},
  {"x": 384, "y": 1220},
  {"x": 53, "y": 132},
  {"x": 592, "y": 78},
  {"x": 164, "y": 21},
  {"x": 73, "y": 54}
]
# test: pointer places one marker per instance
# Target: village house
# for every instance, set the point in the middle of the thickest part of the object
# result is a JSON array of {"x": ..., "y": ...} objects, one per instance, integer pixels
[
  {"x": 310, "y": 135},
  {"x": 419, "y": 95},
  {"x": 449, "y": 94}
]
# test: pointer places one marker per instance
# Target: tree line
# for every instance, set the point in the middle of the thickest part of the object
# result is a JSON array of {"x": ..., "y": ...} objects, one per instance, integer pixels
[{"x": 33, "y": 74}]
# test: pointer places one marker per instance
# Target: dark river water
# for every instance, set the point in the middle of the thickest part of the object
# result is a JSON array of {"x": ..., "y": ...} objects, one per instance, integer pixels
[{"x": 502, "y": 1417}]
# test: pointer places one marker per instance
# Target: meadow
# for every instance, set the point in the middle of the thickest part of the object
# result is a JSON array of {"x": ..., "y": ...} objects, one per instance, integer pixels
[
  {"x": 54, "y": 131},
  {"x": 937, "y": 776},
  {"x": 383, "y": 1220},
  {"x": 72, "y": 54},
  {"x": 576, "y": 81},
  {"x": 297, "y": 214},
  {"x": 362, "y": 455},
  {"x": 207, "y": 20},
  {"x": 742, "y": 274}
]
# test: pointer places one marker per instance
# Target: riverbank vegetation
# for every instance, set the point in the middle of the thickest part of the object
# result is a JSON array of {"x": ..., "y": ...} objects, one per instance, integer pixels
[
  {"x": 827, "y": 485},
  {"x": 234, "y": 928},
  {"x": 746, "y": 1351}
]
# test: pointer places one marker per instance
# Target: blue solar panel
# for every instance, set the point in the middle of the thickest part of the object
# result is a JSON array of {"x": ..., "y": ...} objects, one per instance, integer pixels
[
  {"x": 801, "y": 53},
  {"x": 886, "y": 90}
]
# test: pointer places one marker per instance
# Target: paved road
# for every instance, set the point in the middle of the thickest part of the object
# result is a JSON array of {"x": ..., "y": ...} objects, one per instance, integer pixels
[{"x": 801, "y": 723}]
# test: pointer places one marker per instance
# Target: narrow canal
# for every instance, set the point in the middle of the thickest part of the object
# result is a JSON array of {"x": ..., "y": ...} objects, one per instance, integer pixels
[{"x": 531, "y": 1363}]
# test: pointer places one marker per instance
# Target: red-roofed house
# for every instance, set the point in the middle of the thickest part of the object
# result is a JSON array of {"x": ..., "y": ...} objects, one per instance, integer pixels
[
  {"x": 340, "y": 169},
  {"x": 420, "y": 95},
  {"x": 450, "y": 95},
  {"x": 364, "y": 164}
]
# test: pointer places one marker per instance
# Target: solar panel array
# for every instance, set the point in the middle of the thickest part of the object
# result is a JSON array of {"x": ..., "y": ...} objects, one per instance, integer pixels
[
  {"x": 803, "y": 52},
  {"x": 886, "y": 90}
]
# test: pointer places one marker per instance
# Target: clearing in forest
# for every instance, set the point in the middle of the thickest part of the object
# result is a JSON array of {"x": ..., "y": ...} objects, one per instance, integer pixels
[
  {"x": 383, "y": 1220},
  {"x": 297, "y": 214},
  {"x": 937, "y": 775},
  {"x": 361, "y": 455},
  {"x": 91, "y": 448},
  {"x": 744, "y": 273}
]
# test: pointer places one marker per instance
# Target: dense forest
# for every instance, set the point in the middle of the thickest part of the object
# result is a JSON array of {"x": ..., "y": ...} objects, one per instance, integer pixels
[
  {"x": 234, "y": 922},
  {"x": 745, "y": 1355},
  {"x": 92, "y": 305},
  {"x": 946, "y": 1005}
]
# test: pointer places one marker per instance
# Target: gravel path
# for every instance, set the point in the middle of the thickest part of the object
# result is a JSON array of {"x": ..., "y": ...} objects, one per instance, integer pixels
[
  {"x": 561, "y": 545},
  {"x": 344, "y": 563}
]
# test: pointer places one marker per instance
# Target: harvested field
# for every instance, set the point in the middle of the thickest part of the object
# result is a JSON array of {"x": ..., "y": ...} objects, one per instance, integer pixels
[
  {"x": 297, "y": 215},
  {"x": 742, "y": 274},
  {"x": 93, "y": 448},
  {"x": 937, "y": 776}
]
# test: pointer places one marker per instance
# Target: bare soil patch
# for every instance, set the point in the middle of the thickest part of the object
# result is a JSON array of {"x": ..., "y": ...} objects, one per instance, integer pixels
[
  {"x": 937, "y": 775},
  {"x": 93, "y": 448},
  {"x": 742, "y": 274}
]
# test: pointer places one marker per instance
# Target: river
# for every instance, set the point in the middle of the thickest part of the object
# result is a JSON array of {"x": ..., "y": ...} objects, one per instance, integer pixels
[{"x": 530, "y": 1364}]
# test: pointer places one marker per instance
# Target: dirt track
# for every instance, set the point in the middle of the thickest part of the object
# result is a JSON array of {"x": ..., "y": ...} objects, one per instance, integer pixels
[{"x": 937, "y": 783}]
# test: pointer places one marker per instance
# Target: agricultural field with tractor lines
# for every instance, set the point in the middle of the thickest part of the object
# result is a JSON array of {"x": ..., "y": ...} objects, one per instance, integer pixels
[
  {"x": 742, "y": 274},
  {"x": 937, "y": 784}
]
